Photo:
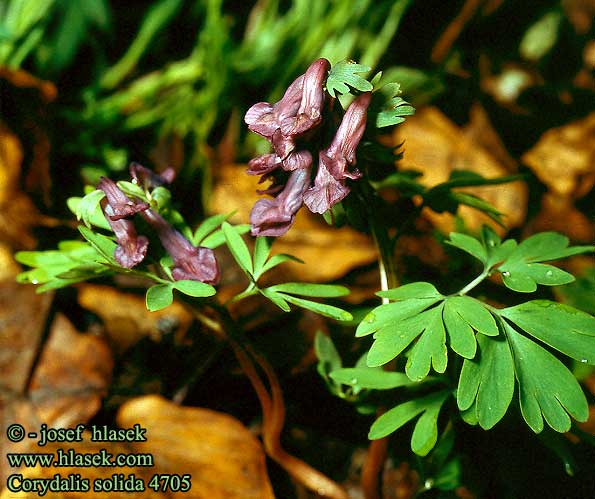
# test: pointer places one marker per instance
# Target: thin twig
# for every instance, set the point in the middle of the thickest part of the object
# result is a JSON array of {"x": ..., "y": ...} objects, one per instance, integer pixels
[
  {"x": 454, "y": 29},
  {"x": 272, "y": 406}
]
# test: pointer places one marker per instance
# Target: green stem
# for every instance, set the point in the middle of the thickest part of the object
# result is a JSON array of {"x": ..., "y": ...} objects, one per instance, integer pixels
[{"x": 473, "y": 283}]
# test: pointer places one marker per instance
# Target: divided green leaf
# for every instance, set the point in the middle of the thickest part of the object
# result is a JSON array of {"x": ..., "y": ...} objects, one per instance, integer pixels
[
  {"x": 486, "y": 382},
  {"x": 521, "y": 271},
  {"x": 547, "y": 389},
  {"x": 329, "y": 359},
  {"x": 560, "y": 326},
  {"x": 425, "y": 432},
  {"x": 344, "y": 75},
  {"x": 418, "y": 289},
  {"x": 387, "y": 317},
  {"x": 430, "y": 348},
  {"x": 468, "y": 244}
]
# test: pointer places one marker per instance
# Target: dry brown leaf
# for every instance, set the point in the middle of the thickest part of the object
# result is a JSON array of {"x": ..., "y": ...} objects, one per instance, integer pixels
[
  {"x": 225, "y": 460},
  {"x": 68, "y": 382},
  {"x": 9, "y": 268},
  {"x": 91, "y": 474},
  {"x": 559, "y": 214},
  {"x": 580, "y": 13},
  {"x": 126, "y": 317},
  {"x": 564, "y": 158},
  {"x": 17, "y": 212},
  {"x": 480, "y": 131},
  {"x": 435, "y": 146},
  {"x": 72, "y": 375},
  {"x": 328, "y": 253},
  {"x": 22, "y": 321}
]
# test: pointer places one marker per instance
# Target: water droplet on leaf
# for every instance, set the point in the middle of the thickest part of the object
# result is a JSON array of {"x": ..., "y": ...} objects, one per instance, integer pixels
[
  {"x": 584, "y": 361},
  {"x": 353, "y": 381},
  {"x": 549, "y": 273},
  {"x": 34, "y": 281},
  {"x": 506, "y": 274}
]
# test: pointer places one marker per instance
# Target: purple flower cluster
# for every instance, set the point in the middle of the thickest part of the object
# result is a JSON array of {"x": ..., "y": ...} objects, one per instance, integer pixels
[
  {"x": 294, "y": 120},
  {"x": 190, "y": 262}
]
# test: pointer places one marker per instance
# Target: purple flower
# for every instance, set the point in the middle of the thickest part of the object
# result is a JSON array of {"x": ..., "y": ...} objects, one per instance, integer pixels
[
  {"x": 132, "y": 248},
  {"x": 298, "y": 111},
  {"x": 121, "y": 205},
  {"x": 148, "y": 178},
  {"x": 265, "y": 119},
  {"x": 309, "y": 114},
  {"x": 274, "y": 217},
  {"x": 329, "y": 185},
  {"x": 190, "y": 262}
]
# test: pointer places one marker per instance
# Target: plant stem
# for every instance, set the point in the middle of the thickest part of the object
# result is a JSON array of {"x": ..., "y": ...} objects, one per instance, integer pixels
[
  {"x": 386, "y": 263},
  {"x": 472, "y": 284}
]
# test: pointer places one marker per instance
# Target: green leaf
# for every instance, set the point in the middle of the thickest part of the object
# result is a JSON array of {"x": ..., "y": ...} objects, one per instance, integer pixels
[
  {"x": 411, "y": 290},
  {"x": 217, "y": 238},
  {"x": 430, "y": 348},
  {"x": 560, "y": 326},
  {"x": 541, "y": 37},
  {"x": 308, "y": 289},
  {"x": 425, "y": 436},
  {"x": 329, "y": 359},
  {"x": 104, "y": 245},
  {"x": 581, "y": 293},
  {"x": 392, "y": 112},
  {"x": 547, "y": 389},
  {"x": 521, "y": 271},
  {"x": 131, "y": 189},
  {"x": 476, "y": 315},
  {"x": 344, "y": 75},
  {"x": 482, "y": 205},
  {"x": 546, "y": 246},
  {"x": 161, "y": 197},
  {"x": 500, "y": 253},
  {"x": 159, "y": 296},
  {"x": 462, "y": 315},
  {"x": 207, "y": 226},
  {"x": 391, "y": 340},
  {"x": 320, "y": 308},
  {"x": 89, "y": 210},
  {"x": 371, "y": 378},
  {"x": 389, "y": 315},
  {"x": 262, "y": 249},
  {"x": 486, "y": 383},
  {"x": 461, "y": 337},
  {"x": 277, "y": 260},
  {"x": 194, "y": 288},
  {"x": 238, "y": 248},
  {"x": 468, "y": 244},
  {"x": 425, "y": 433},
  {"x": 276, "y": 298}
]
